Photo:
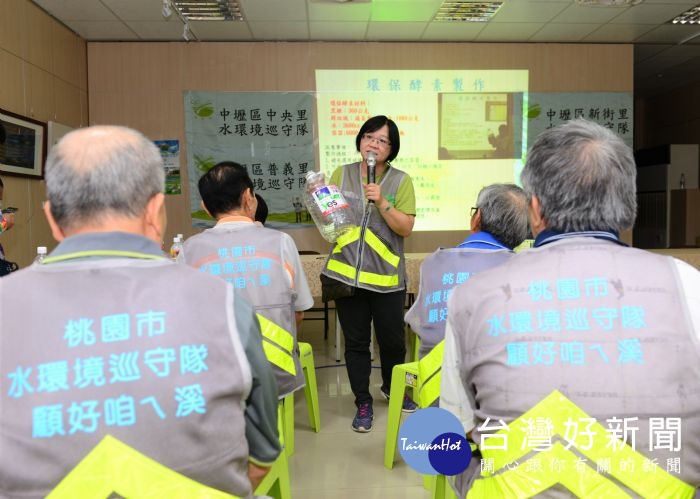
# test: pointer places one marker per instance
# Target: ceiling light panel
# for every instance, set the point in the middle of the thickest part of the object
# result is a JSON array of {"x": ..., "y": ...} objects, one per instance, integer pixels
[
  {"x": 209, "y": 10},
  {"x": 690, "y": 16},
  {"x": 466, "y": 11}
]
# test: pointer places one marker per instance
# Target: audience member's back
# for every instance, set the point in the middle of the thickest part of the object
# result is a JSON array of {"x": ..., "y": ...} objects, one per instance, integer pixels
[
  {"x": 109, "y": 337},
  {"x": 499, "y": 223},
  {"x": 261, "y": 263}
]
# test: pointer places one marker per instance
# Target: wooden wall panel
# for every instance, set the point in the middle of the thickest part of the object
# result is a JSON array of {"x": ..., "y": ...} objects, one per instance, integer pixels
[
  {"x": 65, "y": 47},
  {"x": 84, "y": 109},
  {"x": 39, "y": 90},
  {"x": 67, "y": 103},
  {"x": 11, "y": 25},
  {"x": 44, "y": 76},
  {"x": 141, "y": 85},
  {"x": 11, "y": 83},
  {"x": 81, "y": 56},
  {"x": 38, "y": 37}
]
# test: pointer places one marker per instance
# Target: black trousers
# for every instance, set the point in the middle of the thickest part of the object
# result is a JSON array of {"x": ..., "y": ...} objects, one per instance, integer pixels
[{"x": 356, "y": 314}]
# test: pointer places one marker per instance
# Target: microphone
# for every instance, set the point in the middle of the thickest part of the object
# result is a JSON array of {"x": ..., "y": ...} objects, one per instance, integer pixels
[{"x": 371, "y": 164}]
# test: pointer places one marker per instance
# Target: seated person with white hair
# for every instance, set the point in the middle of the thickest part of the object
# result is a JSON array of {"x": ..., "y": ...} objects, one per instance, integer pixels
[
  {"x": 581, "y": 350},
  {"x": 108, "y": 336},
  {"x": 499, "y": 224}
]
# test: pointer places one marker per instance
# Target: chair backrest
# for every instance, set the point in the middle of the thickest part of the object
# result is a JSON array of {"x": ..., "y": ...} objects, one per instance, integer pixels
[
  {"x": 430, "y": 375},
  {"x": 513, "y": 473}
]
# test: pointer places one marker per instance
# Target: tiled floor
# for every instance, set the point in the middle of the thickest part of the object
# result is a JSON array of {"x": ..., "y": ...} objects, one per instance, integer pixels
[{"x": 338, "y": 462}]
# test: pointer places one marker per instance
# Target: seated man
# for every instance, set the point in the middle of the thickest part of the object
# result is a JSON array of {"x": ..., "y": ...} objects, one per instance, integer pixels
[
  {"x": 499, "y": 224},
  {"x": 262, "y": 263},
  {"x": 108, "y": 336},
  {"x": 613, "y": 329}
]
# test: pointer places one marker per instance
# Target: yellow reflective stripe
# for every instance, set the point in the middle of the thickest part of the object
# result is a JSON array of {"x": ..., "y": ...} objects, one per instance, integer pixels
[
  {"x": 379, "y": 279},
  {"x": 346, "y": 238},
  {"x": 342, "y": 268},
  {"x": 559, "y": 409},
  {"x": 377, "y": 245},
  {"x": 519, "y": 482},
  {"x": 430, "y": 372},
  {"x": 276, "y": 334},
  {"x": 114, "y": 466},
  {"x": 281, "y": 357},
  {"x": 365, "y": 277}
]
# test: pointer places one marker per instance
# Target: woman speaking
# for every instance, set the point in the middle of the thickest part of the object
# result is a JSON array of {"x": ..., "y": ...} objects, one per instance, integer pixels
[{"x": 368, "y": 262}]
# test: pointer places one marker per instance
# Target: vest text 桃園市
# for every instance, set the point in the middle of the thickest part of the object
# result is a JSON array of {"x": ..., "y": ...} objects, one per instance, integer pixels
[
  {"x": 84, "y": 370},
  {"x": 568, "y": 314}
]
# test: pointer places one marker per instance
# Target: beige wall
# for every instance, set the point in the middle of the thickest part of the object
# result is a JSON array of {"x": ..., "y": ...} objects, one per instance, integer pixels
[
  {"x": 141, "y": 85},
  {"x": 43, "y": 75}
]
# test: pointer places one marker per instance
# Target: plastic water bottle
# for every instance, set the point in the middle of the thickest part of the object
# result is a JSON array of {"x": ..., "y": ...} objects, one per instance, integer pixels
[
  {"x": 682, "y": 182},
  {"x": 176, "y": 247},
  {"x": 40, "y": 254},
  {"x": 327, "y": 207}
]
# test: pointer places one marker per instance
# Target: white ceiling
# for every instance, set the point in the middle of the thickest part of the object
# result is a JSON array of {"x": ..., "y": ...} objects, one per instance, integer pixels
[{"x": 666, "y": 55}]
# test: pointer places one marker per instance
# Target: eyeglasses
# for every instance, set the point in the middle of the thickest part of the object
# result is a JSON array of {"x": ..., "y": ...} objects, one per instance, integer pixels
[
  {"x": 378, "y": 140},
  {"x": 473, "y": 211}
]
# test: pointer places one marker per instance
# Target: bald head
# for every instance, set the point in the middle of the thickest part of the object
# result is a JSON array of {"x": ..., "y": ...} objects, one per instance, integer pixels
[{"x": 102, "y": 172}]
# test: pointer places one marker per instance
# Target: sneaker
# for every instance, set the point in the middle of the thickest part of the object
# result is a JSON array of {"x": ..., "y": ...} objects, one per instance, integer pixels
[
  {"x": 362, "y": 422},
  {"x": 408, "y": 404}
]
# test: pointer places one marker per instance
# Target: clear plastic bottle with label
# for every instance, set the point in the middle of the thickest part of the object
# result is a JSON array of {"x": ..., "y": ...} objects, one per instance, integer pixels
[
  {"x": 328, "y": 207},
  {"x": 682, "y": 181},
  {"x": 40, "y": 254},
  {"x": 175, "y": 248}
]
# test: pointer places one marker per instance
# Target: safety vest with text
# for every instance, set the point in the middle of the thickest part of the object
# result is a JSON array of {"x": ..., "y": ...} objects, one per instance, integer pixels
[
  {"x": 440, "y": 272},
  {"x": 110, "y": 345},
  {"x": 250, "y": 258},
  {"x": 371, "y": 255},
  {"x": 605, "y": 325}
]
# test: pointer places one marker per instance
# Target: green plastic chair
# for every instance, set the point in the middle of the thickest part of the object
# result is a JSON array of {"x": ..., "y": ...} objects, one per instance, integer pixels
[{"x": 306, "y": 357}]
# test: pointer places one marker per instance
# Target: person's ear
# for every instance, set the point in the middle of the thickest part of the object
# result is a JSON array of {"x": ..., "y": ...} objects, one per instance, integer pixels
[
  {"x": 56, "y": 231},
  {"x": 252, "y": 203},
  {"x": 155, "y": 218},
  {"x": 201, "y": 203},
  {"x": 537, "y": 220},
  {"x": 476, "y": 221}
]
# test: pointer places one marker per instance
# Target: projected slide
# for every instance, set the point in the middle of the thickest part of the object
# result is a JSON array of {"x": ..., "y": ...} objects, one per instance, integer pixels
[{"x": 460, "y": 130}]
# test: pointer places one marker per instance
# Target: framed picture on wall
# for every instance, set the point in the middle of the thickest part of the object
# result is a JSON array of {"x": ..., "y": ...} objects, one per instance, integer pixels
[{"x": 22, "y": 145}]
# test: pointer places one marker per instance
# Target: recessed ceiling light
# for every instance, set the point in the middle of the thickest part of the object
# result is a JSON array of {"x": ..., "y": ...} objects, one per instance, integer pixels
[
  {"x": 690, "y": 16},
  {"x": 209, "y": 10},
  {"x": 463, "y": 10}
]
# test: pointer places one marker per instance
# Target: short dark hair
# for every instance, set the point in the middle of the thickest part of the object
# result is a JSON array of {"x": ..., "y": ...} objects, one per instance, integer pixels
[
  {"x": 375, "y": 123},
  {"x": 222, "y": 187},
  {"x": 261, "y": 210}
]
